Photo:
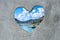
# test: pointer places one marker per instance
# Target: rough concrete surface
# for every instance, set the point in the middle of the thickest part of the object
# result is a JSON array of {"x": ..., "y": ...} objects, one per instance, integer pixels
[{"x": 49, "y": 28}]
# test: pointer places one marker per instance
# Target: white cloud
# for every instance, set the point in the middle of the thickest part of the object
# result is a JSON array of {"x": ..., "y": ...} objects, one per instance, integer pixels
[
  {"x": 33, "y": 10},
  {"x": 35, "y": 15},
  {"x": 41, "y": 12},
  {"x": 27, "y": 16},
  {"x": 41, "y": 9}
]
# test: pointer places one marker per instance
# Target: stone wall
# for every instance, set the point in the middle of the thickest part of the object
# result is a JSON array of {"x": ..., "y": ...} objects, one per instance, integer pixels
[{"x": 49, "y": 28}]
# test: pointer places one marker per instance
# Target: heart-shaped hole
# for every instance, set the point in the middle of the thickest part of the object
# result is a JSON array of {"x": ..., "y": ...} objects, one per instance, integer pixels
[{"x": 26, "y": 19}]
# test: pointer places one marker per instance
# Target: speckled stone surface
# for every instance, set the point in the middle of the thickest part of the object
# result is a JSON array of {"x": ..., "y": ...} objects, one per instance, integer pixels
[{"x": 48, "y": 29}]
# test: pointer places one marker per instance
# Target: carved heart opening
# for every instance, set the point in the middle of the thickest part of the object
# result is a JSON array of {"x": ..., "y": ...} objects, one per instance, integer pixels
[{"x": 26, "y": 19}]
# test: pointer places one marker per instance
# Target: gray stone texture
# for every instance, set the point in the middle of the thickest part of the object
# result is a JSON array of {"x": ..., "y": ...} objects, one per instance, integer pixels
[{"x": 48, "y": 29}]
